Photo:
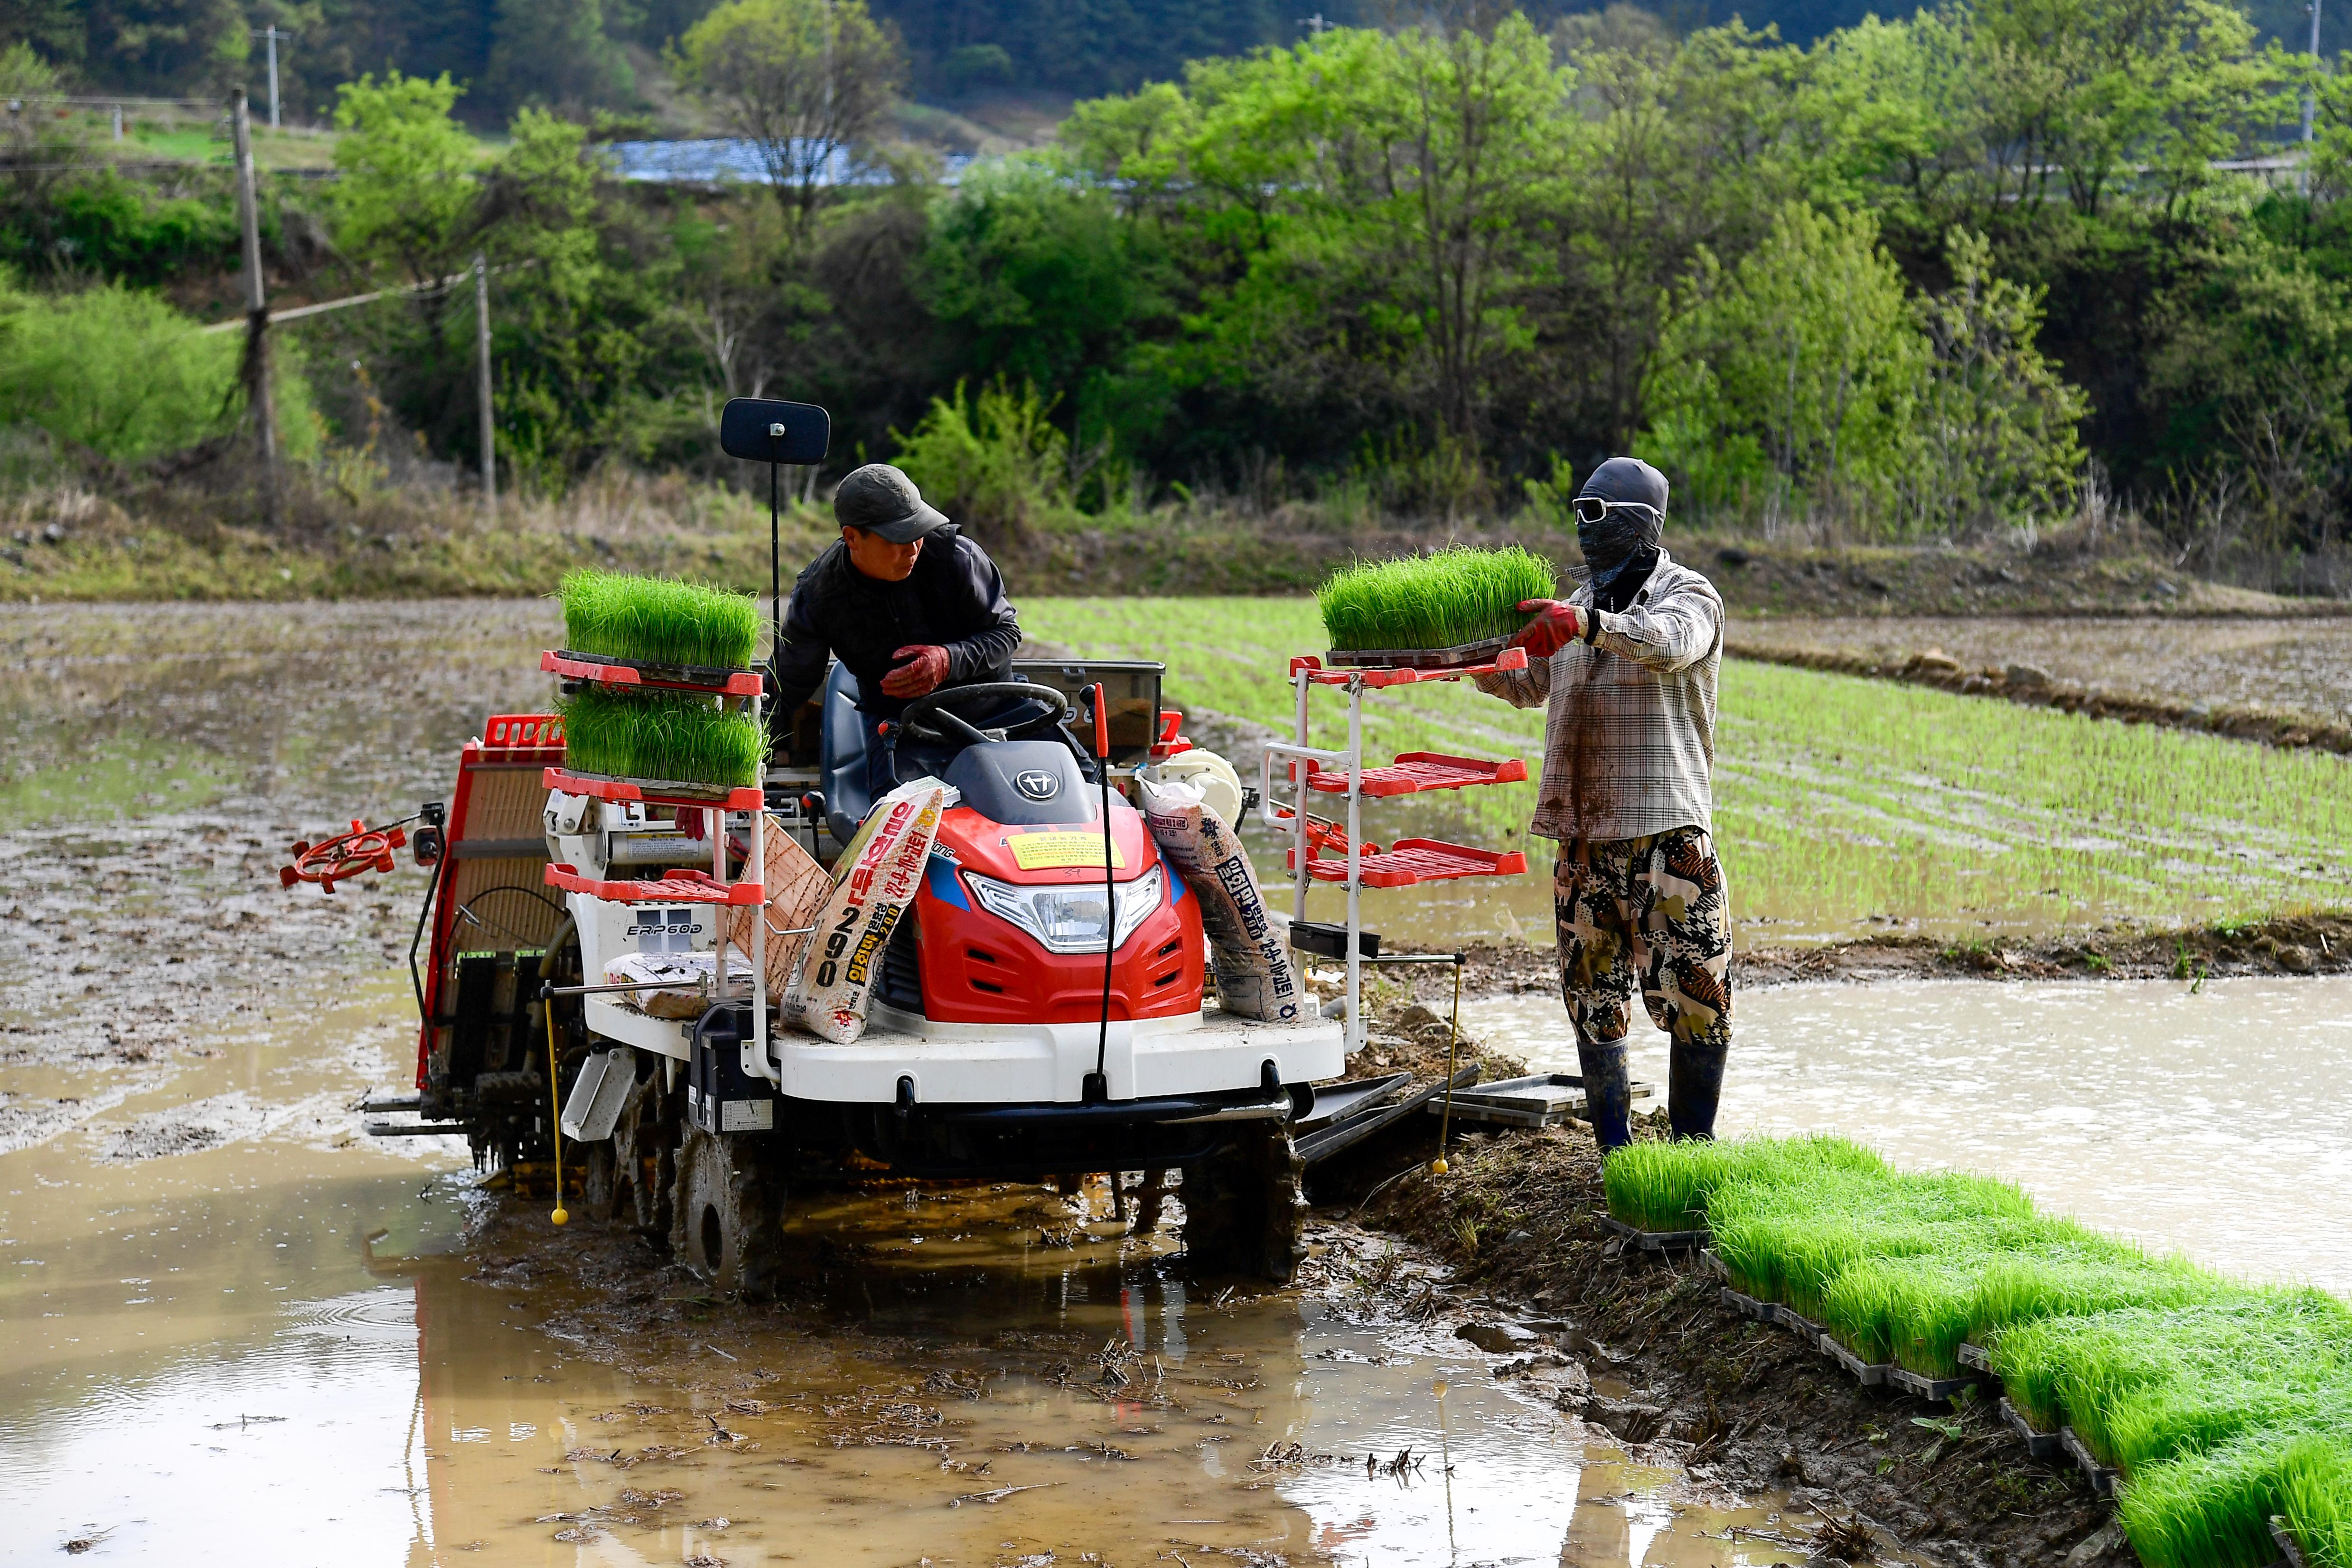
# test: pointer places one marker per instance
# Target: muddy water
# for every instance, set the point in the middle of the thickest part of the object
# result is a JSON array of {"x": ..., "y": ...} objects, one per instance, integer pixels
[
  {"x": 2216, "y": 1122},
  {"x": 2301, "y": 665}
]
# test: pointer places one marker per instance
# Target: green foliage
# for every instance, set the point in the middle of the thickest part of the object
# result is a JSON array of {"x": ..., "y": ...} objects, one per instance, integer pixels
[
  {"x": 662, "y": 734},
  {"x": 658, "y": 619},
  {"x": 555, "y": 54},
  {"x": 404, "y": 195},
  {"x": 123, "y": 373},
  {"x": 995, "y": 461},
  {"x": 1444, "y": 599}
]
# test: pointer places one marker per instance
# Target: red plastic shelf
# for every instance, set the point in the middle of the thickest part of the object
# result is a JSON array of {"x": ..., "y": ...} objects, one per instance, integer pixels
[
  {"x": 1506, "y": 661},
  {"x": 677, "y": 887},
  {"x": 1410, "y": 860},
  {"x": 1414, "y": 771},
  {"x": 654, "y": 791},
  {"x": 644, "y": 673}
]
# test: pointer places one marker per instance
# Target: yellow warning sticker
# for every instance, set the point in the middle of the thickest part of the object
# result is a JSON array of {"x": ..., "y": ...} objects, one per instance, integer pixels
[{"x": 1046, "y": 852}]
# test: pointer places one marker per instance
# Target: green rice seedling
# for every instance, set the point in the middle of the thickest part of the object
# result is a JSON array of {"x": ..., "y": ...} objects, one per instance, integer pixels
[
  {"x": 663, "y": 735},
  {"x": 1665, "y": 1186},
  {"x": 2210, "y": 1510},
  {"x": 657, "y": 620},
  {"x": 2139, "y": 1384},
  {"x": 2319, "y": 1496},
  {"x": 1443, "y": 599}
]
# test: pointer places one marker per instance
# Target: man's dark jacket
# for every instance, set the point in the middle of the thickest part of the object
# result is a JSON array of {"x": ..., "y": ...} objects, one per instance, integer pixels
[{"x": 954, "y": 599}]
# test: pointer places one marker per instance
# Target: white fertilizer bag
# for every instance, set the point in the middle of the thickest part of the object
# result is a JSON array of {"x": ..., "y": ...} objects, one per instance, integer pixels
[
  {"x": 1255, "y": 979},
  {"x": 879, "y": 873}
]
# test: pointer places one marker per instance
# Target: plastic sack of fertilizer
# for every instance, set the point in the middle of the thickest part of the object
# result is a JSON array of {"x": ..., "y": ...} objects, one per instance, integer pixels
[
  {"x": 879, "y": 875},
  {"x": 1255, "y": 977}
]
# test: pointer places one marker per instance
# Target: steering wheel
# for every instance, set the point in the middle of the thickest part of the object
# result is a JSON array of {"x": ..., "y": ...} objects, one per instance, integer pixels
[{"x": 1036, "y": 704}]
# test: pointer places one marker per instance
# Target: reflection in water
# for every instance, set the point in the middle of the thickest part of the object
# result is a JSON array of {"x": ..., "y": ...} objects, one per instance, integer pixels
[
  {"x": 945, "y": 1399},
  {"x": 2216, "y": 1122}
]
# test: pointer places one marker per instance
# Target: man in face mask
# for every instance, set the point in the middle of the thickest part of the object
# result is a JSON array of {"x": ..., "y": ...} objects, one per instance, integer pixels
[{"x": 1627, "y": 667}]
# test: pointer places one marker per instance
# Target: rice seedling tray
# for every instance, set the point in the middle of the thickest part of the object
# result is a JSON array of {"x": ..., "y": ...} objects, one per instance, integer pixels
[
  {"x": 2102, "y": 1478},
  {"x": 1657, "y": 1241},
  {"x": 1975, "y": 1356},
  {"x": 652, "y": 791},
  {"x": 677, "y": 887},
  {"x": 1747, "y": 1306},
  {"x": 1538, "y": 1100},
  {"x": 1869, "y": 1373},
  {"x": 2039, "y": 1445},
  {"x": 1714, "y": 1267},
  {"x": 606, "y": 671},
  {"x": 1415, "y": 771},
  {"x": 2290, "y": 1549},
  {"x": 1452, "y": 658},
  {"x": 1935, "y": 1390},
  {"x": 1410, "y": 861}
]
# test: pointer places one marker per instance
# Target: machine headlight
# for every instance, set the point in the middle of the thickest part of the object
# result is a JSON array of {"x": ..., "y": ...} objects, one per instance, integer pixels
[{"x": 1069, "y": 918}]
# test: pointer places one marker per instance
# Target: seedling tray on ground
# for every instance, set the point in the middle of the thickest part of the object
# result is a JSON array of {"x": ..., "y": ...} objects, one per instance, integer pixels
[
  {"x": 1657, "y": 1241},
  {"x": 1747, "y": 1306},
  {"x": 1540, "y": 1100},
  {"x": 654, "y": 791},
  {"x": 2039, "y": 1445},
  {"x": 2290, "y": 1549},
  {"x": 1935, "y": 1390},
  {"x": 610, "y": 671},
  {"x": 1414, "y": 771},
  {"x": 2102, "y": 1478},
  {"x": 677, "y": 887},
  {"x": 1370, "y": 1117},
  {"x": 1975, "y": 1356},
  {"x": 1797, "y": 1323},
  {"x": 1410, "y": 860},
  {"x": 1419, "y": 658},
  {"x": 1869, "y": 1373}
]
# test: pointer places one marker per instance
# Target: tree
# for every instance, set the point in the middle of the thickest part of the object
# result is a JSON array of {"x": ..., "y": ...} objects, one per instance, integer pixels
[
  {"x": 553, "y": 54},
  {"x": 803, "y": 80},
  {"x": 407, "y": 192},
  {"x": 1793, "y": 371}
]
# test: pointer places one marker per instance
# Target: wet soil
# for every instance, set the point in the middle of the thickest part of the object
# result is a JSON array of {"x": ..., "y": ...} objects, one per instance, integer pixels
[
  {"x": 2294, "y": 945},
  {"x": 1519, "y": 1215},
  {"x": 2135, "y": 674}
]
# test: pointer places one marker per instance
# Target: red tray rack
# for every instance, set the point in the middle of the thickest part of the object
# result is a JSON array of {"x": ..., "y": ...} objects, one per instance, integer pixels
[
  {"x": 677, "y": 887},
  {"x": 607, "y": 672},
  {"x": 654, "y": 792},
  {"x": 1410, "y": 860},
  {"x": 1414, "y": 771}
]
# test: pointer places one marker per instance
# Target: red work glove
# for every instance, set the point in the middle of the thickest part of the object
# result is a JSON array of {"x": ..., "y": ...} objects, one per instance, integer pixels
[
  {"x": 926, "y": 666},
  {"x": 1556, "y": 625}
]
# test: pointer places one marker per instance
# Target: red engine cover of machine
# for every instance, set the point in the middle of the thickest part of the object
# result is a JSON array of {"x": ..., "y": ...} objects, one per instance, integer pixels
[{"x": 980, "y": 969}]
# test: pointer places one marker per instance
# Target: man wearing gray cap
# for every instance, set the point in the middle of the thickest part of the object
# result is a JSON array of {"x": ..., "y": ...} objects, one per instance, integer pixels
[
  {"x": 902, "y": 598},
  {"x": 1627, "y": 667}
]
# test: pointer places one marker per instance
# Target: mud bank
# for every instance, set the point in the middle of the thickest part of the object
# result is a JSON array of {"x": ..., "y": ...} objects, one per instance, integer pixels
[
  {"x": 2296, "y": 945},
  {"x": 1519, "y": 1215}
]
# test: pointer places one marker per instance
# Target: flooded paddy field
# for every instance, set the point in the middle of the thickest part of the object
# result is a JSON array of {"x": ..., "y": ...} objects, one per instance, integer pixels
[
  {"x": 241, "y": 1331},
  {"x": 2303, "y": 665}
]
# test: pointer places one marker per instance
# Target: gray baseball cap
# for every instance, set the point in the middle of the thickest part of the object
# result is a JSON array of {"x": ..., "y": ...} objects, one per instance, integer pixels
[{"x": 881, "y": 501}]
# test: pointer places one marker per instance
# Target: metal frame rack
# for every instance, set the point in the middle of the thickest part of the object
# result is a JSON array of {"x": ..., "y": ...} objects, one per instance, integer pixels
[
  {"x": 716, "y": 801},
  {"x": 1342, "y": 771}
]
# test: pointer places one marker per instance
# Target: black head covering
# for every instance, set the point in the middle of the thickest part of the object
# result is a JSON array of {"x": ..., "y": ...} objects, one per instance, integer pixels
[{"x": 1621, "y": 548}]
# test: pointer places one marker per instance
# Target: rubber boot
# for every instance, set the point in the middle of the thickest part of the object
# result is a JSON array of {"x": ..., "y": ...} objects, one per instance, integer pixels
[
  {"x": 1693, "y": 1084},
  {"x": 1608, "y": 1094}
]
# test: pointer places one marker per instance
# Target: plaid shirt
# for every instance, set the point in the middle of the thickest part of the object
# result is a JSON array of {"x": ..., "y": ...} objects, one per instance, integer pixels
[{"x": 1629, "y": 743}]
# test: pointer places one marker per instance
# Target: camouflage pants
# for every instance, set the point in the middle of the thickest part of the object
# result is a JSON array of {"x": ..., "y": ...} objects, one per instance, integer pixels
[{"x": 1653, "y": 912}]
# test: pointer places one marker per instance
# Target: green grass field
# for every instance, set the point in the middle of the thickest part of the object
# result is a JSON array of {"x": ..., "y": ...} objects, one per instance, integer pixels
[{"x": 1840, "y": 800}]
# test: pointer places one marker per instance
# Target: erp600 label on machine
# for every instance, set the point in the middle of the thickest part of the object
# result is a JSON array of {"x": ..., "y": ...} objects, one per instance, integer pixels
[{"x": 1057, "y": 850}]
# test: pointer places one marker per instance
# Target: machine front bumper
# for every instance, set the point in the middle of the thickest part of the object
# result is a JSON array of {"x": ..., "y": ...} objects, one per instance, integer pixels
[{"x": 1208, "y": 1054}]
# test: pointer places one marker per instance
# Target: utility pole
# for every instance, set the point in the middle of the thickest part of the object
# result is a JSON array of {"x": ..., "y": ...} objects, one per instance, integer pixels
[
  {"x": 1315, "y": 24},
  {"x": 118, "y": 122},
  {"x": 259, "y": 399},
  {"x": 273, "y": 35},
  {"x": 482, "y": 358}
]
